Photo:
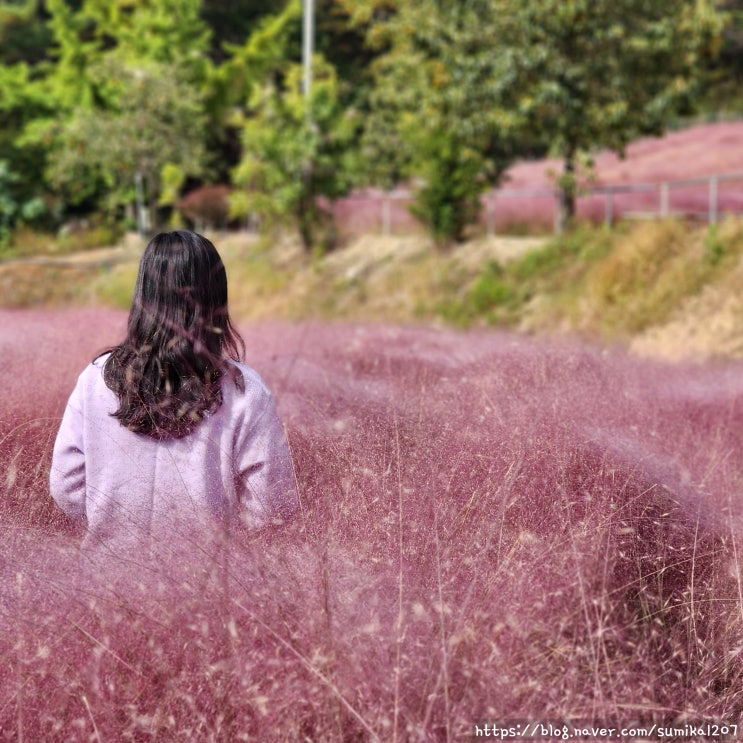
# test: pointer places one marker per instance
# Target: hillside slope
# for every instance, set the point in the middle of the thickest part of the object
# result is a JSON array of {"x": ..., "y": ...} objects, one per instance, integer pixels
[
  {"x": 706, "y": 325},
  {"x": 667, "y": 289},
  {"x": 664, "y": 288}
]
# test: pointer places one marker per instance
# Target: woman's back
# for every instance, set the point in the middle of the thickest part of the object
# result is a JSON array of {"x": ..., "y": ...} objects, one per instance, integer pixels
[
  {"x": 234, "y": 464},
  {"x": 129, "y": 461}
]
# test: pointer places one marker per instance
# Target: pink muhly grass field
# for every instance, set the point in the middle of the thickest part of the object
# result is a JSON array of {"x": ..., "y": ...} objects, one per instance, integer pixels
[{"x": 493, "y": 528}]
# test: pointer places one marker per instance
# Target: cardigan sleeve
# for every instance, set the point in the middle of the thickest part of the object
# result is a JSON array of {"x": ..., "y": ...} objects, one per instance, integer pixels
[
  {"x": 67, "y": 475},
  {"x": 267, "y": 490}
]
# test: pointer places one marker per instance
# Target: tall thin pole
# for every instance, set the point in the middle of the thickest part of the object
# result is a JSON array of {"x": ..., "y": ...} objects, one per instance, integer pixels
[{"x": 308, "y": 44}]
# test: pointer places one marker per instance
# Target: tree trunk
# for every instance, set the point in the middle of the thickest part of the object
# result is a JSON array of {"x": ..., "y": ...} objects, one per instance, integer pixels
[
  {"x": 305, "y": 223},
  {"x": 305, "y": 208},
  {"x": 566, "y": 197},
  {"x": 152, "y": 211}
]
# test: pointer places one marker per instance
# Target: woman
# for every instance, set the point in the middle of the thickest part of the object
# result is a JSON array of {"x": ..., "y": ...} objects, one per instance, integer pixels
[{"x": 168, "y": 430}]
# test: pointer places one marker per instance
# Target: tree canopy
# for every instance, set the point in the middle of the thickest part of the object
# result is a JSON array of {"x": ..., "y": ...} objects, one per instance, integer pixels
[
  {"x": 443, "y": 108},
  {"x": 98, "y": 95},
  {"x": 600, "y": 74}
]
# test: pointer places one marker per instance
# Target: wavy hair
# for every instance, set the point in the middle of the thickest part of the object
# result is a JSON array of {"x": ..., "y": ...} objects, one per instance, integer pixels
[{"x": 167, "y": 373}]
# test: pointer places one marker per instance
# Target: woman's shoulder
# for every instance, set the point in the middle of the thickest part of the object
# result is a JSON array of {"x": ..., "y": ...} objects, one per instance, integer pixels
[
  {"x": 94, "y": 370},
  {"x": 247, "y": 401},
  {"x": 251, "y": 380},
  {"x": 90, "y": 385}
]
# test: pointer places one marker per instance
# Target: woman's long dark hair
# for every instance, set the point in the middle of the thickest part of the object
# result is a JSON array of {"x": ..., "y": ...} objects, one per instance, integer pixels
[{"x": 167, "y": 373}]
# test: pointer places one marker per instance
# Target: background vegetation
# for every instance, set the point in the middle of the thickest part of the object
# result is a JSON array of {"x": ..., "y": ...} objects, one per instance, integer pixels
[
  {"x": 645, "y": 284},
  {"x": 121, "y": 112}
]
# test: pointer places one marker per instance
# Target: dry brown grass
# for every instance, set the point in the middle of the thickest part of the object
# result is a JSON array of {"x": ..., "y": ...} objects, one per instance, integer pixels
[
  {"x": 643, "y": 277},
  {"x": 30, "y": 284},
  {"x": 664, "y": 288},
  {"x": 373, "y": 278},
  {"x": 707, "y": 324}
]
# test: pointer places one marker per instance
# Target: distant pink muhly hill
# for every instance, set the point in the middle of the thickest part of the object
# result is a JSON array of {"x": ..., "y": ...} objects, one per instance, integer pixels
[{"x": 698, "y": 152}]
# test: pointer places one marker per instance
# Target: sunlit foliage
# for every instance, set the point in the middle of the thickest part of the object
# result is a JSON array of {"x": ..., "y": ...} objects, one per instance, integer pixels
[
  {"x": 443, "y": 108},
  {"x": 443, "y": 96},
  {"x": 297, "y": 148},
  {"x": 156, "y": 122},
  {"x": 123, "y": 97}
]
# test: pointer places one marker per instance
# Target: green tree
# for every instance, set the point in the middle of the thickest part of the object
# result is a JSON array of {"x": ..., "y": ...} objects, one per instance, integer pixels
[
  {"x": 233, "y": 21},
  {"x": 723, "y": 92},
  {"x": 270, "y": 39},
  {"x": 296, "y": 151},
  {"x": 258, "y": 57},
  {"x": 342, "y": 42},
  {"x": 11, "y": 209},
  {"x": 442, "y": 107},
  {"x": 24, "y": 42},
  {"x": 155, "y": 126},
  {"x": 123, "y": 97},
  {"x": 24, "y": 34},
  {"x": 601, "y": 73}
]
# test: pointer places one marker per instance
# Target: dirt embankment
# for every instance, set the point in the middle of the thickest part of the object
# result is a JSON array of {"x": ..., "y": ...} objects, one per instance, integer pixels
[
  {"x": 373, "y": 278},
  {"x": 707, "y": 325},
  {"x": 396, "y": 279}
]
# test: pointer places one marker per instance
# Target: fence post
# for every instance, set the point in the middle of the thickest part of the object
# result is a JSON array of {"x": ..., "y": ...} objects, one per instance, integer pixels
[
  {"x": 664, "y": 199},
  {"x": 713, "y": 181},
  {"x": 490, "y": 216},
  {"x": 386, "y": 215},
  {"x": 557, "y": 227},
  {"x": 608, "y": 207}
]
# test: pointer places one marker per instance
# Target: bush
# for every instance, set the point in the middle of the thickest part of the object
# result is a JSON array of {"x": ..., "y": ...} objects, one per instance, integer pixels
[
  {"x": 207, "y": 207},
  {"x": 491, "y": 289},
  {"x": 88, "y": 235},
  {"x": 76, "y": 235},
  {"x": 448, "y": 201},
  {"x": 12, "y": 210}
]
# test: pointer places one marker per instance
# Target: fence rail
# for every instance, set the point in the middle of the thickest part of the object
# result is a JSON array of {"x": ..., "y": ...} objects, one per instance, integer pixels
[{"x": 706, "y": 198}]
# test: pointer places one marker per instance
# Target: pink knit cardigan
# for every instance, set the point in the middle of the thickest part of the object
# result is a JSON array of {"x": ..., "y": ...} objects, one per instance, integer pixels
[{"x": 125, "y": 486}]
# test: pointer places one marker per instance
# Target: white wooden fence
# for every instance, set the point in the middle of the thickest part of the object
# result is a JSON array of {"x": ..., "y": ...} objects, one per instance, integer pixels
[{"x": 708, "y": 208}]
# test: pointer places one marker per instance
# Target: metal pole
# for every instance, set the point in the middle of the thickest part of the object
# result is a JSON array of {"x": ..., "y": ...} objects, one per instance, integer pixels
[
  {"x": 386, "y": 215},
  {"x": 308, "y": 43}
]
